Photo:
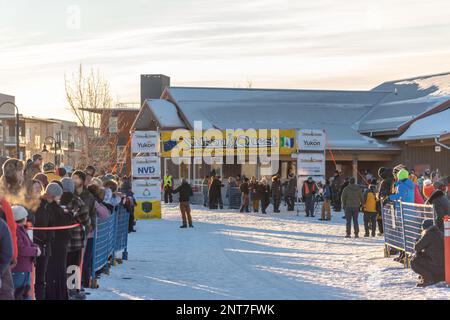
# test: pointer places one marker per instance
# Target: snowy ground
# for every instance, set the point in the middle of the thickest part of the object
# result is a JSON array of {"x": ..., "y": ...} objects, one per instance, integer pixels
[{"x": 229, "y": 255}]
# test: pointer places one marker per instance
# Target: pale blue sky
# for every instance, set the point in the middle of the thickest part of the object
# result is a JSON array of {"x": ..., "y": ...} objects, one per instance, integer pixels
[{"x": 346, "y": 44}]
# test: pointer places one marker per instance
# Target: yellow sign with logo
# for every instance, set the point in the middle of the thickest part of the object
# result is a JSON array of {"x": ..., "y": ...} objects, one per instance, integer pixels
[
  {"x": 216, "y": 142},
  {"x": 147, "y": 209}
]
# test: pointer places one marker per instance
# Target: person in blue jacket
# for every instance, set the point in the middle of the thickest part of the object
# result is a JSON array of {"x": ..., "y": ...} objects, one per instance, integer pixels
[{"x": 404, "y": 186}]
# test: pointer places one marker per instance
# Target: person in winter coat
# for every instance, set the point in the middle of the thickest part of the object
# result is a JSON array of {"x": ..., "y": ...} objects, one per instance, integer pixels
[
  {"x": 263, "y": 190},
  {"x": 405, "y": 188},
  {"x": 215, "y": 192},
  {"x": 428, "y": 258},
  {"x": 56, "y": 277},
  {"x": 384, "y": 190},
  {"x": 11, "y": 182},
  {"x": 291, "y": 189},
  {"x": 205, "y": 188},
  {"x": 28, "y": 251},
  {"x": 351, "y": 202},
  {"x": 42, "y": 238},
  {"x": 327, "y": 197},
  {"x": 231, "y": 194},
  {"x": 309, "y": 190},
  {"x": 50, "y": 172},
  {"x": 276, "y": 193},
  {"x": 441, "y": 205},
  {"x": 185, "y": 192},
  {"x": 33, "y": 168},
  {"x": 245, "y": 191},
  {"x": 336, "y": 185},
  {"x": 370, "y": 210},
  {"x": 253, "y": 186},
  {"x": 74, "y": 206},
  {"x": 6, "y": 255},
  {"x": 428, "y": 188}
]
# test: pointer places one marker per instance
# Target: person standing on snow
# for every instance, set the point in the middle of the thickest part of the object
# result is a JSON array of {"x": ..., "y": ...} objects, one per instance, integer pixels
[
  {"x": 309, "y": 190},
  {"x": 276, "y": 193},
  {"x": 370, "y": 210},
  {"x": 336, "y": 185},
  {"x": 290, "y": 190},
  {"x": 327, "y": 196},
  {"x": 168, "y": 186},
  {"x": 263, "y": 190},
  {"x": 351, "y": 202},
  {"x": 205, "y": 188},
  {"x": 185, "y": 192},
  {"x": 245, "y": 191}
]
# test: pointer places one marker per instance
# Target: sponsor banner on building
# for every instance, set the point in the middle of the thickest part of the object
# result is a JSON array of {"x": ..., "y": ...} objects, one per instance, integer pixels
[
  {"x": 228, "y": 142},
  {"x": 311, "y": 140},
  {"x": 146, "y": 167},
  {"x": 311, "y": 164},
  {"x": 146, "y": 189},
  {"x": 144, "y": 142}
]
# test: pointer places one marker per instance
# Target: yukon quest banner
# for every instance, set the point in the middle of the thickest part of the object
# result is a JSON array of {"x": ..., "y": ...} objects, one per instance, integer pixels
[
  {"x": 146, "y": 167},
  {"x": 145, "y": 142},
  {"x": 311, "y": 140},
  {"x": 230, "y": 142},
  {"x": 148, "y": 199}
]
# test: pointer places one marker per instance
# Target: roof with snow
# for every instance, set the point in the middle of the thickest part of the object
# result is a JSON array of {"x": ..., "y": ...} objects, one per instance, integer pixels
[
  {"x": 433, "y": 126},
  {"x": 408, "y": 99},
  {"x": 163, "y": 111},
  {"x": 338, "y": 112}
]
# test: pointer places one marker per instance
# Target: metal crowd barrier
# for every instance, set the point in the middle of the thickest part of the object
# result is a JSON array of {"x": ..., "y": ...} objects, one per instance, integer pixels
[
  {"x": 110, "y": 238},
  {"x": 402, "y": 223}
]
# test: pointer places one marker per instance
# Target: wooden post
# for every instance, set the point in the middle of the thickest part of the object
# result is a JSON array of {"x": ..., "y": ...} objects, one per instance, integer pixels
[{"x": 355, "y": 166}]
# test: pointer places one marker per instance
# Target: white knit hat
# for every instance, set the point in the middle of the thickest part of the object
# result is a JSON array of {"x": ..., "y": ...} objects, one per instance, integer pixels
[
  {"x": 19, "y": 213},
  {"x": 427, "y": 182}
]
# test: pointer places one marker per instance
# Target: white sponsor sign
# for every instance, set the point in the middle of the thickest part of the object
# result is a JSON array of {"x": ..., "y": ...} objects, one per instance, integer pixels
[
  {"x": 311, "y": 164},
  {"x": 147, "y": 190},
  {"x": 144, "y": 142},
  {"x": 146, "y": 167},
  {"x": 311, "y": 140}
]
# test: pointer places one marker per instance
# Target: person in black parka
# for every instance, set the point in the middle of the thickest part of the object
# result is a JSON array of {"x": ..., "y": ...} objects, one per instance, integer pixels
[
  {"x": 56, "y": 288},
  {"x": 428, "y": 259}
]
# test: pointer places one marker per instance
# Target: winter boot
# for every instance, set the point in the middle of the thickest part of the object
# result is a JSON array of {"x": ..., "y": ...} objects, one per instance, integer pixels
[
  {"x": 191, "y": 225},
  {"x": 183, "y": 226}
]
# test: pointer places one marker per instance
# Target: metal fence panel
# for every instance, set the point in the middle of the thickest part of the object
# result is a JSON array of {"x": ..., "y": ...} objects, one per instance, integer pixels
[
  {"x": 402, "y": 224},
  {"x": 393, "y": 226},
  {"x": 413, "y": 216}
]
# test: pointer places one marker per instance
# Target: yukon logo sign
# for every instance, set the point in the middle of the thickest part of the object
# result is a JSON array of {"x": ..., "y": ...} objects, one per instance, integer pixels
[
  {"x": 312, "y": 143},
  {"x": 311, "y": 140},
  {"x": 144, "y": 142}
]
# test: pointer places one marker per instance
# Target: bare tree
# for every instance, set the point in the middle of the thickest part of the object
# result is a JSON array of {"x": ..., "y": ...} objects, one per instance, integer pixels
[{"x": 85, "y": 93}]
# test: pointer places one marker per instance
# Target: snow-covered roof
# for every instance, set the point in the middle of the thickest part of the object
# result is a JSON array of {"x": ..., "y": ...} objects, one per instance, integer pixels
[
  {"x": 407, "y": 100},
  {"x": 163, "y": 111},
  {"x": 337, "y": 112},
  {"x": 429, "y": 127}
]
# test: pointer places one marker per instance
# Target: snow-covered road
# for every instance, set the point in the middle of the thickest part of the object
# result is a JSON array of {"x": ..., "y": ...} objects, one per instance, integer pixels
[{"x": 229, "y": 255}]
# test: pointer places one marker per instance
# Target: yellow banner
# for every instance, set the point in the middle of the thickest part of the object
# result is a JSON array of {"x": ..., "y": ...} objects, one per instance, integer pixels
[
  {"x": 147, "y": 209},
  {"x": 227, "y": 142}
]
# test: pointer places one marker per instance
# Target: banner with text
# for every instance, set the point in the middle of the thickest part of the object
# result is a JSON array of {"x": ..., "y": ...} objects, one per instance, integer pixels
[
  {"x": 145, "y": 142},
  {"x": 146, "y": 167}
]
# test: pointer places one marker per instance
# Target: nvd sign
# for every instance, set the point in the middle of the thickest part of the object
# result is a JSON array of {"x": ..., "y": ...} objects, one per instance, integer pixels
[{"x": 146, "y": 167}]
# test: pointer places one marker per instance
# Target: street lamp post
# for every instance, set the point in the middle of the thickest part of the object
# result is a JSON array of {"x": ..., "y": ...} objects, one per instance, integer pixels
[
  {"x": 56, "y": 146},
  {"x": 17, "y": 125}
]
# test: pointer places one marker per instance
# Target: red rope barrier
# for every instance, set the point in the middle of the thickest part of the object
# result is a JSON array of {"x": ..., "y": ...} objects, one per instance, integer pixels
[{"x": 55, "y": 228}]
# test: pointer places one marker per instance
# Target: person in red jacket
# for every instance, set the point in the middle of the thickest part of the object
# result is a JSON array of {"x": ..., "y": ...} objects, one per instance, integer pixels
[{"x": 7, "y": 215}]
